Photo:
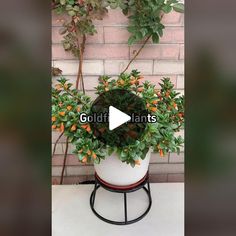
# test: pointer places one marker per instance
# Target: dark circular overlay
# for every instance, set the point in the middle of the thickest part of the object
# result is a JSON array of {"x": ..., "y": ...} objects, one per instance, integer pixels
[{"x": 126, "y": 102}]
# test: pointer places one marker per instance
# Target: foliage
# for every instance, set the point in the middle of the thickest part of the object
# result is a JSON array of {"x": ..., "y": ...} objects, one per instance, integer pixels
[
  {"x": 81, "y": 14},
  {"x": 67, "y": 104},
  {"x": 145, "y": 18},
  {"x": 165, "y": 103}
]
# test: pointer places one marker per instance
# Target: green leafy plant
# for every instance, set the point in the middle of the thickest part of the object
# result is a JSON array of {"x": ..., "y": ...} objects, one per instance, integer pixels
[
  {"x": 145, "y": 18},
  {"x": 165, "y": 103}
]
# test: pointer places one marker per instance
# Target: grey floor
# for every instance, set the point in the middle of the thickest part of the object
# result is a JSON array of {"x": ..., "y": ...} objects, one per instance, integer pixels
[{"x": 72, "y": 216}]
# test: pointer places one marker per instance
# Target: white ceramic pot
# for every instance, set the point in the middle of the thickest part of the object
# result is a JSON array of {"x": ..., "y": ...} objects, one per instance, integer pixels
[{"x": 115, "y": 172}]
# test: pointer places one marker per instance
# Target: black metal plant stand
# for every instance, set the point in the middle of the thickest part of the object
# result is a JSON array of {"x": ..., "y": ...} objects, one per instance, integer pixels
[{"x": 118, "y": 189}]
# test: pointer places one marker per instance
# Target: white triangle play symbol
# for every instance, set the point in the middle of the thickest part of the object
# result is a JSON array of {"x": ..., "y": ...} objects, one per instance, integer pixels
[{"x": 117, "y": 118}]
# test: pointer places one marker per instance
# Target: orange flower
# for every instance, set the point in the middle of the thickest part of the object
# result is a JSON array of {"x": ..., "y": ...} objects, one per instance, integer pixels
[
  {"x": 73, "y": 128},
  {"x": 58, "y": 87},
  {"x": 174, "y": 105},
  {"x": 78, "y": 109},
  {"x": 81, "y": 150},
  {"x": 54, "y": 118},
  {"x": 148, "y": 105},
  {"x": 89, "y": 152},
  {"x": 161, "y": 152},
  {"x": 154, "y": 102},
  {"x": 62, "y": 128},
  {"x": 62, "y": 113},
  {"x": 154, "y": 109},
  {"x": 69, "y": 108},
  {"x": 132, "y": 81},
  {"x": 54, "y": 126},
  {"x": 88, "y": 129},
  {"x": 84, "y": 126},
  {"x": 137, "y": 162},
  {"x": 94, "y": 156},
  {"x": 140, "y": 89},
  {"x": 121, "y": 82},
  {"x": 167, "y": 94},
  {"x": 84, "y": 160}
]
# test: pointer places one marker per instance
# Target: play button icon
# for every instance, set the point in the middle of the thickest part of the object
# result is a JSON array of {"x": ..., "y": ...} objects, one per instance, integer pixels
[
  {"x": 117, "y": 118},
  {"x": 118, "y": 106}
]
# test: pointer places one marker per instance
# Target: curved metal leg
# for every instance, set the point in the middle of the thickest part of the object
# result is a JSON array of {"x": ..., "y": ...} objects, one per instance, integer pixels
[{"x": 125, "y": 207}]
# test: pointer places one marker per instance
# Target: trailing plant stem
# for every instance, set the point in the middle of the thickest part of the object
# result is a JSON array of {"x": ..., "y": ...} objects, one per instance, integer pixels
[
  {"x": 80, "y": 70},
  {"x": 136, "y": 54},
  {"x": 55, "y": 145},
  {"x": 64, "y": 161}
]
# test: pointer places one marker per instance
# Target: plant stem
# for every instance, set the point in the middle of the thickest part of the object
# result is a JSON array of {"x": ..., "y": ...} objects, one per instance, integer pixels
[
  {"x": 64, "y": 161},
  {"x": 82, "y": 48},
  {"x": 80, "y": 69},
  {"x": 80, "y": 65},
  {"x": 55, "y": 145},
  {"x": 136, "y": 54}
]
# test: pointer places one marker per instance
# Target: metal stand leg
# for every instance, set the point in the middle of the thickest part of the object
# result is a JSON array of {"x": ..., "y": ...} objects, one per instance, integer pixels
[
  {"x": 149, "y": 191},
  {"x": 94, "y": 192},
  {"x": 125, "y": 206}
]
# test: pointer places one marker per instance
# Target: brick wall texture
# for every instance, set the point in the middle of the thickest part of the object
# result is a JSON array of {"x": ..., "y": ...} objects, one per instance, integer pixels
[{"x": 107, "y": 52}]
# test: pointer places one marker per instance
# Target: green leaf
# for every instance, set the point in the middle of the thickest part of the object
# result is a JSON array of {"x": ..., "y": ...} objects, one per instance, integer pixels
[
  {"x": 62, "y": 2},
  {"x": 143, "y": 31},
  {"x": 76, "y": 8},
  {"x": 125, "y": 11},
  {"x": 132, "y": 164},
  {"x": 155, "y": 38},
  {"x": 113, "y": 5},
  {"x": 179, "y": 7},
  {"x": 110, "y": 151},
  {"x": 167, "y": 8},
  {"x": 123, "y": 156},
  {"x": 160, "y": 32},
  {"x": 66, "y": 46},
  {"x": 131, "y": 40},
  {"x": 71, "y": 13},
  {"x": 142, "y": 146}
]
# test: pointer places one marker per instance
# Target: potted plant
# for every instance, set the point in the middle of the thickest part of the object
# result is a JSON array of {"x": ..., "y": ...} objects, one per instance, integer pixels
[
  {"x": 127, "y": 165},
  {"x": 145, "y": 24}
]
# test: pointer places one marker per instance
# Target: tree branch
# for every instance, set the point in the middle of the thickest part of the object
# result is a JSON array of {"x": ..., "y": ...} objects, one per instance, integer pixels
[{"x": 137, "y": 53}]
